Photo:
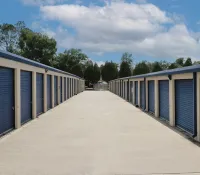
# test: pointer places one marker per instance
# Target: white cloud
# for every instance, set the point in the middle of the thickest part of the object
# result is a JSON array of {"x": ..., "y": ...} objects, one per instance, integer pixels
[{"x": 120, "y": 26}]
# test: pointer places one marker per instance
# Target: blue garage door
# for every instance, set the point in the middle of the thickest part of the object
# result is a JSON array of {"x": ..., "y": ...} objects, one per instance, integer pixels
[
  {"x": 49, "y": 89},
  {"x": 68, "y": 88},
  {"x": 131, "y": 91},
  {"x": 55, "y": 91},
  {"x": 61, "y": 90},
  {"x": 184, "y": 104},
  {"x": 164, "y": 99},
  {"x": 136, "y": 93},
  {"x": 128, "y": 90},
  {"x": 65, "y": 89},
  {"x": 7, "y": 114},
  {"x": 26, "y": 96},
  {"x": 40, "y": 94},
  {"x": 151, "y": 96},
  {"x": 142, "y": 95}
]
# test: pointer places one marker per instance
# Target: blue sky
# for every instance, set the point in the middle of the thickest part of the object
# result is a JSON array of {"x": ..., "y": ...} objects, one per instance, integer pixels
[{"x": 149, "y": 29}]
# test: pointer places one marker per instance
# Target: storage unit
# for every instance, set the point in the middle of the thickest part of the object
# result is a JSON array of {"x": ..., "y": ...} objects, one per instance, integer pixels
[
  {"x": 7, "y": 114},
  {"x": 142, "y": 95},
  {"x": 49, "y": 89},
  {"x": 151, "y": 96},
  {"x": 131, "y": 91},
  {"x": 65, "y": 89},
  {"x": 40, "y": 93},
  {"x": 184, "y": 105},
  {"x": 68, "y": 88},
  {"x": 127, "y": 95},
  {"x": 26, "y": 96},
  {"x": 55, "y": 90},
  {"x": 136, "y": 93},
  {"x": 164, "y": 99},
  {"x": 61, "y": 90}
]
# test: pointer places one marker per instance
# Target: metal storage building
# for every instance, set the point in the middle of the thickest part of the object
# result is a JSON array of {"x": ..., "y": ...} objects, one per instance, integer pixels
[
  {"x": 28, "y": 89},
  {"x": 171, "y": 95}
]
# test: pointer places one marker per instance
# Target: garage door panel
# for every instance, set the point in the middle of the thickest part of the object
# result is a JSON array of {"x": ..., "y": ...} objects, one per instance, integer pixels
[
  {"x": 26, "y": 96},
  {"x": 49, "y": 89},
  {"x": 184, "y": 105},
  {"x": 136, "y": 93},
  {"x": 142, "y": 95},
  {"x": 55, "y": 90},
  {"x": 151, "y": 96},
  {"x": 131, "y": 92},
  {"x": 40, "y": 94},
  {"x": 164, "y": 99},
  {"x": 61, "y": 88},
  {"x": 68, "y": 88},
  {"x": 7, "y": 115},
  {"x": 65, "y": 89}
]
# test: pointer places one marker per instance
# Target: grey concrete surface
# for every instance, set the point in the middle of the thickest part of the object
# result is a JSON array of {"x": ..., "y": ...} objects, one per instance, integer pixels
[{"x": 97, "y": 133}]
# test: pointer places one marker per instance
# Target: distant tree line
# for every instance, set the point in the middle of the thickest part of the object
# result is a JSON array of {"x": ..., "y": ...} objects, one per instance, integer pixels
[{"x": 19, "y": 39}]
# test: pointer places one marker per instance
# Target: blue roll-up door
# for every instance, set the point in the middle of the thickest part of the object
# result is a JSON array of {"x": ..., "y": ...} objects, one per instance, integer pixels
[
  {"x": 65, "y": 89},
  {"x": 61, "y": 88},
  {"x": 26, "y": 96},
  {"x": 184, "y": 104},
  {"x": 136, "y": 93},
  {"x": 55, "y": 91},
  {"x": 142, "y": 95},
  {"x": 151, "y": 96},
  {"x": 68, "y": 88},
  {"x": 128, "y": 90},
  {"x": 7, "y": 114},
  {"x": 40, "y": 93},
  {"x": 131, "y": 91},
  {"x": 164, "y": 99},
  {"x": 49, "y": 89}
]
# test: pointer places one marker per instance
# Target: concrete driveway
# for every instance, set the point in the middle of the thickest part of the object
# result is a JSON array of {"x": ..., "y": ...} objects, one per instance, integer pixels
[{"x": 97, "y": 133}]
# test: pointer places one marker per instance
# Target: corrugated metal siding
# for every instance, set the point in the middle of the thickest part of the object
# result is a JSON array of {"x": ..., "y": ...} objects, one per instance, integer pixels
[
  {"x": 184, "y": 104},
  {"x": 136, "y": 93},
  {"x": 7, "y": 116},
  {"x": 151, "y": 96},
  {"x": 164, "y": 99},
  {"x": 49, "y": 89},
  {"x": 55, "y": 90},
  {"x": 61, "y": 90},
  {"x": 40, "y": 93},
  {"x": 26, "y": 96},
  {"x": 65, "y": 89},
  {"x": 142, "y": 95}
]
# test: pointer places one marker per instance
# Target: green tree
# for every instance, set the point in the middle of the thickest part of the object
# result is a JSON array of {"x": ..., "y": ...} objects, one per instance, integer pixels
[
  {"x": 9, "y": 36},
  {"x": 173, "y": 66},
  {"x": 180, "y": 62},
  {"x": 37, "y": 47},
  {"x": 126, "y": 65},
  {"x": 72, "y": 59},
  {"x": 109, "y": 71},
  {"x": 196, "y": 62},
  {"x": 156, "y": 67},
  {"x": 92, "y": 74},
  {"x": 141, "y": 68},
  {"x": 188, "y": 62},
  {"x": 127, "y": 57},
  {"x": 125, "y": 70}
]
